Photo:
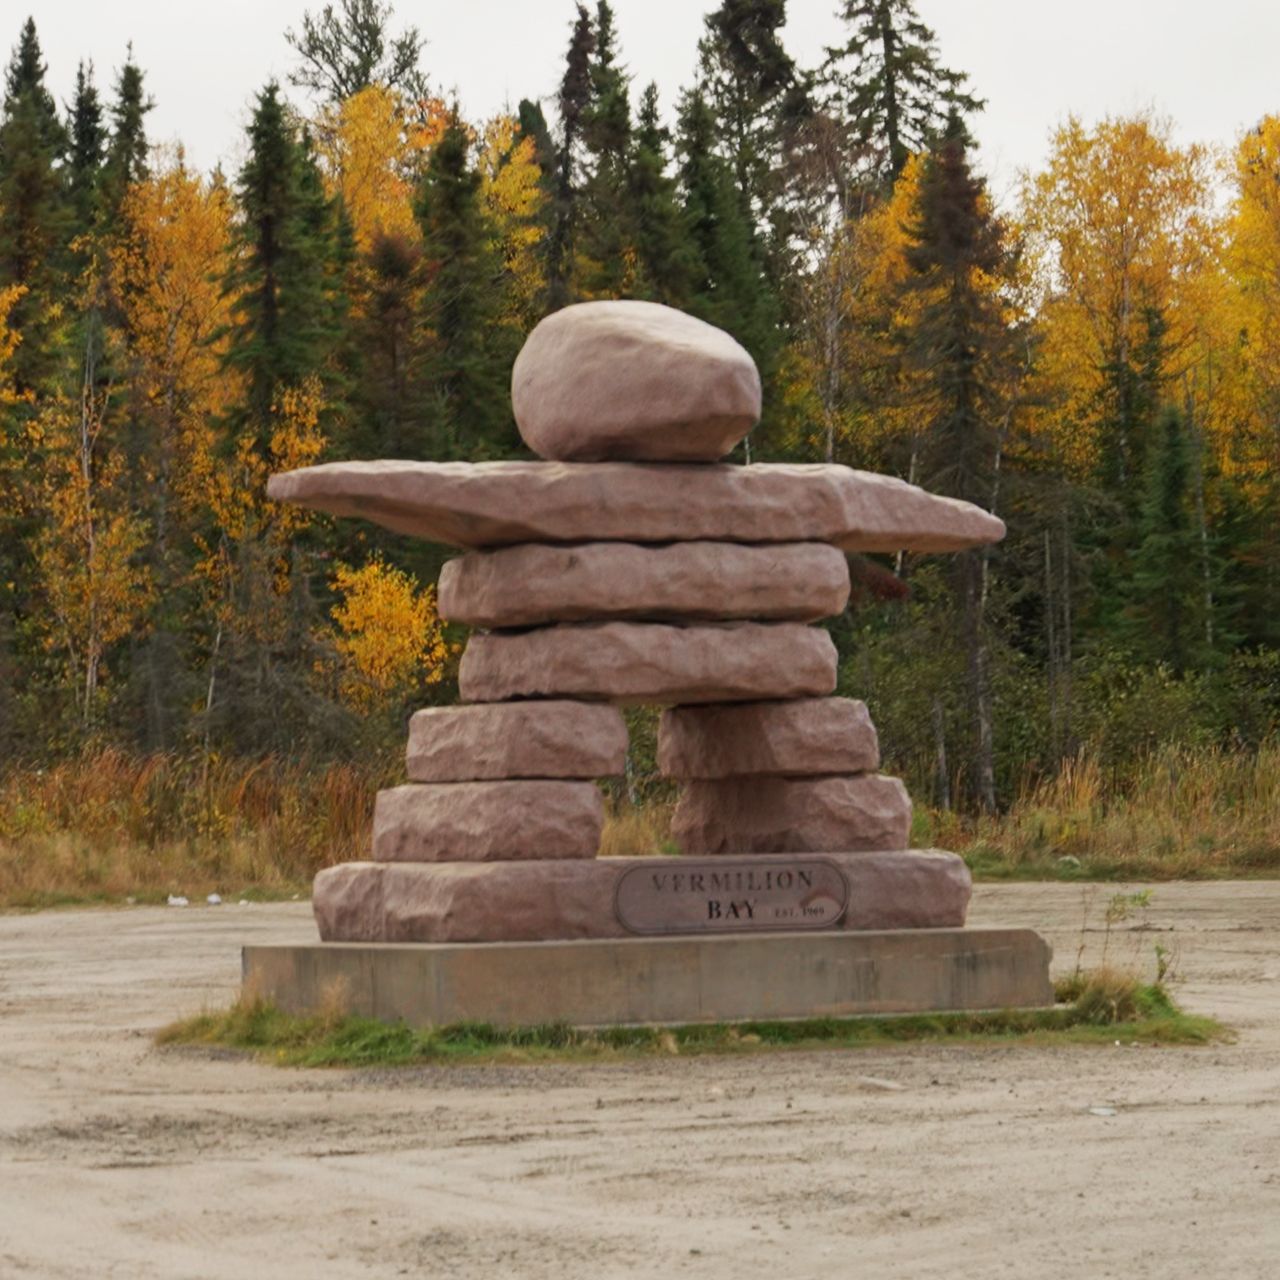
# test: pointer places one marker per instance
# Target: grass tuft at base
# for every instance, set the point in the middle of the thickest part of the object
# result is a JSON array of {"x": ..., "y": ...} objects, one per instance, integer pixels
[{"x": 1095, "y": 1008}]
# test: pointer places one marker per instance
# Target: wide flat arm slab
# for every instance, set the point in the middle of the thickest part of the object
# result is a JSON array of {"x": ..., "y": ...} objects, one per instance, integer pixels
[{"x": 493, "y": 504}]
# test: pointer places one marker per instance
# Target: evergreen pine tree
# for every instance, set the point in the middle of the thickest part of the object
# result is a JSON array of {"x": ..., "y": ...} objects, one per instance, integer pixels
[
  {"x": 1167, "y": 614},
  {"x": 126, "y": 161},
  {"x": 961, "y": 350},
  {"x": 666, "y": 262},
  {"x": 731, "y": 288},
  {"x": 1131, "y": 394},
  {"x": 289, "y": 308},
  {"x": 384, "y": 420},
  {"x": 753, "y": 90},
  {"x": 574, "y": 101},
  {"x": 88, "y": 149},
  {"x": 286, "y": 336},
  {"x": 35, "y": 227},
  {"x": 533, "y": 124},
  {"x": 35, "y": 215},
  {"x": 889, "y": 84},
  {"x": 607, "y": 242},
  {"x": 466, "y": 368}
]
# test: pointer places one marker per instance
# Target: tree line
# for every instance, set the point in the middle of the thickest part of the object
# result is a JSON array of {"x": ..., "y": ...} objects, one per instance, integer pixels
[{"x": 1099, "y": 363}]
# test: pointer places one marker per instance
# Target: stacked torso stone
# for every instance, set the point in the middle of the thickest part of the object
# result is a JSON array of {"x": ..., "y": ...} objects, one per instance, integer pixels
[{"x": 632, "y": 566}]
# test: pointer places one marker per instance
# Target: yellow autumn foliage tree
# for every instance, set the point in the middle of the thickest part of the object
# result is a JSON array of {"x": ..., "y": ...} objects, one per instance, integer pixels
[
  {"x": 372, "y": 155},
  {"x": 510, "y": 186},
  {"x": 1120, "y": 228},
  {"x": 9, "y": 339},
  {"x": 1246, "y": 408},
  {"x": 166, "y": 271},
  {"x": 844, "y": 384},
  {"x": 86, "y": 551},
  {"x": 388, "y": 636}
]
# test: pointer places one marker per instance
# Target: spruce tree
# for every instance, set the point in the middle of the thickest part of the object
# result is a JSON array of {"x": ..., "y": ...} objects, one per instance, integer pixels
[
  {"x": 1131, "y": 393},
  {"x": 384, "y": 422},
  {"x": 533, "y": 125},
  {"x": 1168, "y": 600},
  {"x": 731, "y": 288},
  {"x": 88, "y": 135},
  {"x": 607, "y": 242},
  {"x": 574, "y": 101},
  {"x": 35, "y": 227},
  {"x": 288, "y": 326},
  {"x": 466, "y": 365},
  {"x": 126, "y": 161},
  {"x": 35, "y": 215},
  {"x": 666, "y": 262},
  {"x": 288, "y": 310},
  {"x": 961, "y": 351},
  {"x": 752, "y": 87},
  {"x": 889, "y": 84}
]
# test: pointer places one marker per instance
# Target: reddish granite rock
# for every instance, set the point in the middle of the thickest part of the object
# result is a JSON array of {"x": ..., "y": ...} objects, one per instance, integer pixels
[
  {"x": 792, "y": 815},
  {"x": 490, "y": 504},
  {"x": 483, "y": 821},
  {"x": 533, "y": 901},
  {"x": 802, "y": 737},
  {"x": 636, "y": 662},
  {"x": 695, "y": 581},
  {"x": 633, "y": 380},
  {"x": 553, "y": 739}
]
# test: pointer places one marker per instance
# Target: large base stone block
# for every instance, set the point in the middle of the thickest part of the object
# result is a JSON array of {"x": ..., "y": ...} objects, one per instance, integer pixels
[
  {"x": 646, "y": 662},
  {"x": 664, "y": 980},
  {"x": 479, "y": 821},
  {"x": 558, "y": 899},
  {"x": 792, "y": 815},
  {"x": 799, "y": 738}
]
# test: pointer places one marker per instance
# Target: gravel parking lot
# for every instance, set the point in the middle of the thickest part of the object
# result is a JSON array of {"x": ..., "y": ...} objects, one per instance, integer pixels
[{"x": 119, "y": 1159}]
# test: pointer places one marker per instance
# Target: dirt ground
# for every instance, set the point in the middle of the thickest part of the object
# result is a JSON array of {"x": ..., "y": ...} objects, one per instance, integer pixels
[{"x": 121, "y": 1160}]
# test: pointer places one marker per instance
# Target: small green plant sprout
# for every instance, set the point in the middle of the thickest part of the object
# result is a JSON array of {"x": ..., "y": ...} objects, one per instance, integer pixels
[
  {"x": 1122, "y": 907},
  {"x": 1166, "y": 964}
]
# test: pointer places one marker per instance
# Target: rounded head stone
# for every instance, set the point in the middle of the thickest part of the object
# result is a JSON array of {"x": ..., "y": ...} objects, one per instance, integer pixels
[{"x": 635, "y": 381}]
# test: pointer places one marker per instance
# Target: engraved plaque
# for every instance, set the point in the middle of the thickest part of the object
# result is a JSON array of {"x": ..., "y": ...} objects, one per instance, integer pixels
[{"x": 724, "y": 895}]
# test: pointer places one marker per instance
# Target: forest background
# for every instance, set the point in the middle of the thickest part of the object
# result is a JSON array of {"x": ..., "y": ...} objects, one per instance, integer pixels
[{"x": 200, "y": 687}]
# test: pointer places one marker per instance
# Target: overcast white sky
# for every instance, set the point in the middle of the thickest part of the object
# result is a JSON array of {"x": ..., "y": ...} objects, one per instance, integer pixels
[{"x": 1212, "y": 68}]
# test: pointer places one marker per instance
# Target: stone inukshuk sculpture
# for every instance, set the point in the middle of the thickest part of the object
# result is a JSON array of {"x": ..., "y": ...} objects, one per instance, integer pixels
[{"x": 632, "y": 566}]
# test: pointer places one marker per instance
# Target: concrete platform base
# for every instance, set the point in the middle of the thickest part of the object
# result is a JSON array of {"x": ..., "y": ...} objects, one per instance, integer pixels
[{"x": 668, "y": 980}]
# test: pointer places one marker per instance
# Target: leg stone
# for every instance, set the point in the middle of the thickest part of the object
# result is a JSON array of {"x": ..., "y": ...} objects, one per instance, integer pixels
[
  {"x": 792, "y": 815},
  {"x": 802, "y": 737},
  {"x": 553, "y": 739},
  {"x": 484, "y": 821}
]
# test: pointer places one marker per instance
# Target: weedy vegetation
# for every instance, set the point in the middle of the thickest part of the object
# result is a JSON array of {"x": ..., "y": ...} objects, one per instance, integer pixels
[{"x": 1100, "y": 1007}]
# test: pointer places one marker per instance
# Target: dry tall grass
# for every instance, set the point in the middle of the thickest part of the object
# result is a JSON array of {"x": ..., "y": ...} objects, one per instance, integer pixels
[
  {"x": 110, "y": 825},
  {"x": 637, "y": 831},
  {"x": 1175, "y": 813}
]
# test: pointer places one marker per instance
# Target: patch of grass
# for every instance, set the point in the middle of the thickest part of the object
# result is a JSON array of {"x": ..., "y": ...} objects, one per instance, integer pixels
[
  {"x": 1175, "y": 814},
  {"x": 110, "y": 825},
  {"x": 1095, "y": 1008},
  {"x": 636, "y": 831}
]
